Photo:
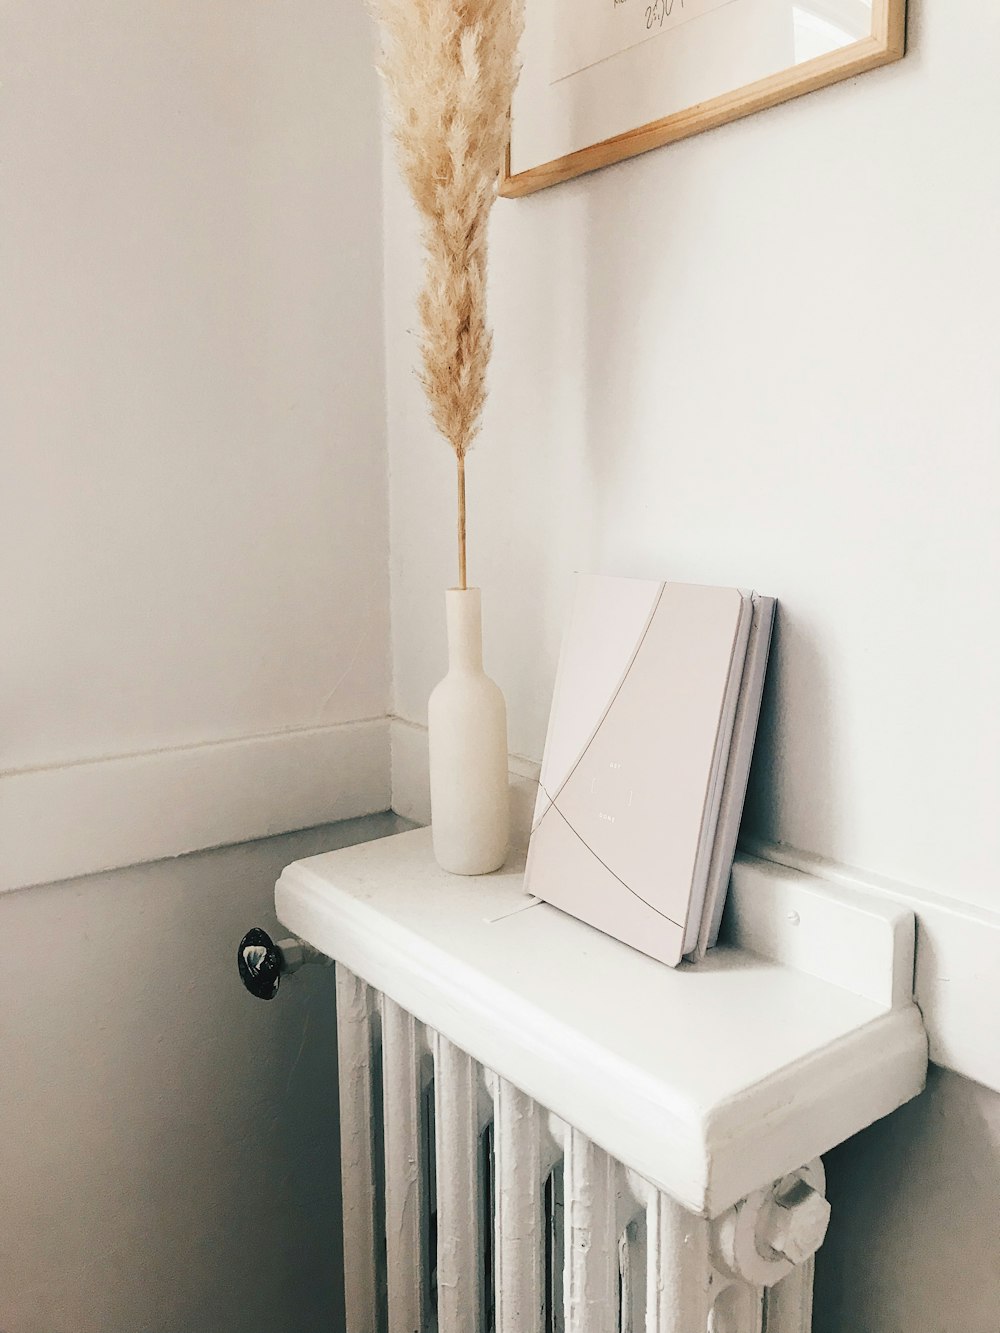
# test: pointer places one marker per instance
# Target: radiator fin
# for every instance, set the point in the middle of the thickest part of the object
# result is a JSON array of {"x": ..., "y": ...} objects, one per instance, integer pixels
[
  {"x": 357, "y": 1125},
  {"x": 406, "y": 1207},
  {"x": 468, "y": 1208}
]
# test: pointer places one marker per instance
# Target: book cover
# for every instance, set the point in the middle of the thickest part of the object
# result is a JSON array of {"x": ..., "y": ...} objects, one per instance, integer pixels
[{"x": 635, "y": 758}]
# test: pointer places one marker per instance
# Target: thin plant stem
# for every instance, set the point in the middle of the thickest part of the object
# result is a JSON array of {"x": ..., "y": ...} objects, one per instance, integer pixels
[{"x": 461, "y": 522}]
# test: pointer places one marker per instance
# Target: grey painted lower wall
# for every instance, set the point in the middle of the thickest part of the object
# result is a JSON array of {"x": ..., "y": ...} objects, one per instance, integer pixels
[
  {"x": 914, "y": 1240},
  {"x": 168, "y": 1145}
]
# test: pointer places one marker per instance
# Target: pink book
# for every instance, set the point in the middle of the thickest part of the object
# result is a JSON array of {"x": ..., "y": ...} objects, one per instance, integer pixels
[{"x": 656, "y": 695}]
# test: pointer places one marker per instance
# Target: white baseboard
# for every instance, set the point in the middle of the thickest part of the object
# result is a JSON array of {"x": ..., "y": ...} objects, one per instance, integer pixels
[
  {"x": 59, "y": 823},
  {"x": 957, "y": 973}
]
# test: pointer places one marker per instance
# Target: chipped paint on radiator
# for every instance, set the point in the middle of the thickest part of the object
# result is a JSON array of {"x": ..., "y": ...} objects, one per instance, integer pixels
[{"x": 468, "y": 1208}]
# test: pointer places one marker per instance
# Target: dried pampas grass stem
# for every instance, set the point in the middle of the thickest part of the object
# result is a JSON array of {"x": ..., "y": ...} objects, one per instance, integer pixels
[{"x": 450, "y": 67}]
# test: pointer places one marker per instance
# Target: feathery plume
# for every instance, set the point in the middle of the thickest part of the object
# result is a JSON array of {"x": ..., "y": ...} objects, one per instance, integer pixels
[{"x": 450, "y": 68}]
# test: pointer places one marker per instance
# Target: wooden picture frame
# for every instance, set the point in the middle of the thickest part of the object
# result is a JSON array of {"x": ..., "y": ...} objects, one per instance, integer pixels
[{"x": 556, "y": 114}]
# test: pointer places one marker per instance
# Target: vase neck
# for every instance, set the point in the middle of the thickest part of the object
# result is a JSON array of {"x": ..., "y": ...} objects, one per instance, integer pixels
[{"x": 465, "y": 629}]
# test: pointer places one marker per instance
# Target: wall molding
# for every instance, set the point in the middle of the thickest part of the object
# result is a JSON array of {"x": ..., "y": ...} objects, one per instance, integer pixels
[
  {"x": 957, "y": 969},
  {"x": 77, "y": 819}
]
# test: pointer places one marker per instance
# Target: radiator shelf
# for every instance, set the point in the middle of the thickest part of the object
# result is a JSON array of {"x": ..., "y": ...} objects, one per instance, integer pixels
[{"x": 707, "y": 1079}]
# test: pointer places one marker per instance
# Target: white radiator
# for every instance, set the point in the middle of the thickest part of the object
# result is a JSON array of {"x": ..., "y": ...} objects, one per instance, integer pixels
[
  {"x": 470, "y": 1209},
  {"x": 573, "y": 1138}
]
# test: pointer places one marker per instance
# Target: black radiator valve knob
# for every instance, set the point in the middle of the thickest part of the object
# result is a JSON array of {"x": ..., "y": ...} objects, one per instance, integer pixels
[{"x": 262, "y": 963}]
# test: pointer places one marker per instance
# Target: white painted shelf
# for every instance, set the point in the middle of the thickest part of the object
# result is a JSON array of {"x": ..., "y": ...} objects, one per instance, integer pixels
[{"x": 708, "y": 1080}]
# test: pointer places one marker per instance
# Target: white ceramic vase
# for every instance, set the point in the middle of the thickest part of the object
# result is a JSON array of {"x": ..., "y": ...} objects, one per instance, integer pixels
[{"x": 467, "y": 722}]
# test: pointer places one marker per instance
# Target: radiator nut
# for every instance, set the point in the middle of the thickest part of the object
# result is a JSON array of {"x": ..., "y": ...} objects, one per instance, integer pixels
[
  {"x": 764, "y": 1236},
  {"x": 794, "y": 1221}
]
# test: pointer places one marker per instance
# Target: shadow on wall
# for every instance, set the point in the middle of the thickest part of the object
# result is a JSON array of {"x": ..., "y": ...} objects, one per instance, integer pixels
[
  {"x": 792, "y": 780},
  {"x": 914, "y": 1234}
]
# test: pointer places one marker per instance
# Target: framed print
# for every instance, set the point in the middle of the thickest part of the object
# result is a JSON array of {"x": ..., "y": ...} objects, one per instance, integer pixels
[{"x": 603, "y": 80}]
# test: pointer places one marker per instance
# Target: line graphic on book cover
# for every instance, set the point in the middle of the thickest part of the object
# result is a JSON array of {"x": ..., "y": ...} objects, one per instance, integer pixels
[
  {"x": 600, "y": 723},
  {"x": 627, "y": 887}
]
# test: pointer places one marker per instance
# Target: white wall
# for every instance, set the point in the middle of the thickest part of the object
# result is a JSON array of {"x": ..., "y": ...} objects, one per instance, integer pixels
[
  {"x": 168, "y": 1144},
  {"x": 767, "y": 356},
  {"x": 193, "y": 538}
]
